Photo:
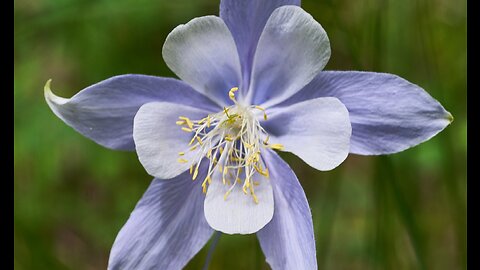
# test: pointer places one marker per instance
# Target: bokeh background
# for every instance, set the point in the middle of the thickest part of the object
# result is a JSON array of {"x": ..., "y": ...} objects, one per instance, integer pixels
[{"x": 404, "y": 211}]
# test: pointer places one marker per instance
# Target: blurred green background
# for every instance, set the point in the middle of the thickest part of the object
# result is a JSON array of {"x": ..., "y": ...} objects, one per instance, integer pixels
[{"x": 404, "y": 211}]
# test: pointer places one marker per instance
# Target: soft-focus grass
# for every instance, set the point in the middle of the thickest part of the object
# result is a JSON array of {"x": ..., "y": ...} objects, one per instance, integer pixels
[{"x": 404, "y": 211}]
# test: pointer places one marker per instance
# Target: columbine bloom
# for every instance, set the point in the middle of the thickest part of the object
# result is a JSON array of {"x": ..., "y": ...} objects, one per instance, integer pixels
[{"x": 251, "y": 84}]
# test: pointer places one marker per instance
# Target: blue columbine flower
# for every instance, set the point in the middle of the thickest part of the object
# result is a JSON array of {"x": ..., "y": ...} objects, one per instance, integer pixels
[{"x": 251, "y": 84}]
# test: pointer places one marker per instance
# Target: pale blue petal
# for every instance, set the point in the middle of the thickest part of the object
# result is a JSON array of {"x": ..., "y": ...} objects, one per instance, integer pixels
[
  {"x": 104, "y": 111},
  {"x": 316, "y": 130},
  {"x": 292, "y": 50},
  {"x": 388, "y": 113},
  {"x": 166, "y": 229},
  {"x": 246, "y": 20},
  {"x": 288, "y": 241},
  {"x": 202, "y": 53}
]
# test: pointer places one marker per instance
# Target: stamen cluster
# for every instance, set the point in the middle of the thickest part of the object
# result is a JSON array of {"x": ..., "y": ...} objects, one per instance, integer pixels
[{"x": 231, "y": 140}]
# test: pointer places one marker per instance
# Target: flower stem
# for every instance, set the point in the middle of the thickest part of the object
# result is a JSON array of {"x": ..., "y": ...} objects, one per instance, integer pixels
[{"x": 211, "y": 249}]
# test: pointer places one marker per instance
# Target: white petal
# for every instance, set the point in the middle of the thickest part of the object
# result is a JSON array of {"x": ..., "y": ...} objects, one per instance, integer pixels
[
  {"x": 158, "y": 140},
  {"x": 238, "y": 214},
  {"x": 316, "y": 130},
  {"x": 203, "y": 54},
  {"x": 292, "y": 50}
]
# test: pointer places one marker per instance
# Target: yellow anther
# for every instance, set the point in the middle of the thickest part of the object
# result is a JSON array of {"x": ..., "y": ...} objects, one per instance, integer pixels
[
  {"x": 225, "y": 110},
  {"x": 231, "y": 93},
  {"x": 192, "y": 140},
  {"x": 181, "y": 153},
  {"x": 199, "y": 140},
  {"x": 195, "y": 173},
  {"x": 209, "y": 153},
  {"x": 206, "y": 181},
  {"x": 182, "y": 160},
  {"x": 190, "y": 124},
  {"x": 226, "y": 195},
  {"x": 276, "y": 146},
  {"x": 228, "y": 138},
  {"x": 186, "y": 120},
  {"x": 255, "y": 199},
  {"x": 193, "y": 147},
  {"x": 256, "y": 183},
  {"x": 191, "y": 169},
  {"x": 261, "y": 171},
  {"x": 186, "y": 129},
  {"x": 181, "y": 122},
  {"x": 221, "y": 150},
  {"x": 264, "y": 112},
  {"x": 266, "y": 140}
]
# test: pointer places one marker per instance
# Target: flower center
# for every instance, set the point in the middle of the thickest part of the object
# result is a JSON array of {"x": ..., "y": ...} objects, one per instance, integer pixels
[{"x": 231, "y": 140}]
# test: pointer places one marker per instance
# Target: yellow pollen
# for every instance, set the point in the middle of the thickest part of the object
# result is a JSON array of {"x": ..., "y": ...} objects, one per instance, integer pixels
[
  {"x": 187, "y": 120},
  {"x": 226, "y": 195},
  {"x": 276, "y": 146},
  {"x": 192, "y": 140},
  {"x": 264, "y": 112},
  {"x": 255, "y": 199},
  {"x": 182, "y": 160},
  {"x": 181, "y": 122},
  {"x": 231, "y": 94},
  {"x": 195, "y": 173},
  {"x": 181, "y": 153},
  {"x": 186, "y": 129}
]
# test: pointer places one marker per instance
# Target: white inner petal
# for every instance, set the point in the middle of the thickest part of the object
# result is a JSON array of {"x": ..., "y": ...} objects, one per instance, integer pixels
[{"x": 237, "y": 212}]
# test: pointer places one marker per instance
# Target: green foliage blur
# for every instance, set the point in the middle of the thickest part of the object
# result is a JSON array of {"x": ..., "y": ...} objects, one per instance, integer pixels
[{"x": 403, "y": 211}]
